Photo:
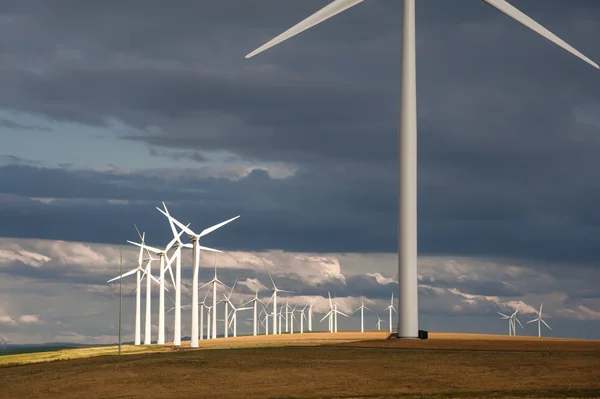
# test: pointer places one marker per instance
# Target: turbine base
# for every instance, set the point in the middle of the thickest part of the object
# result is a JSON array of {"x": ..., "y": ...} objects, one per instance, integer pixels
[{"x": 423, "y": 334}]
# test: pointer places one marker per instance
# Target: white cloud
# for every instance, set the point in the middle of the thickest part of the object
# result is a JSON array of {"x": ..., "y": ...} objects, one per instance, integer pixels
[{"x": 29, "y": 319}]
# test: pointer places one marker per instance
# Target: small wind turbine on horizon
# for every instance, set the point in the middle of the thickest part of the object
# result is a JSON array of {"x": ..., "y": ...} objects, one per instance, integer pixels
[
  {"x": 275, "y": 290},
  {"x": 379, "y": 321},
  {"x": 391, "y": 308},
  {"x": 540, "y": 320},
  {"x": 512, "y": 327},
  {"x": 138, "y": 292},
  {"x": 408, "y": 318},
  {"x": 214, "y": 283},
  {"x": 362, "y": 308},
  {"x": 255, "y": 302}
]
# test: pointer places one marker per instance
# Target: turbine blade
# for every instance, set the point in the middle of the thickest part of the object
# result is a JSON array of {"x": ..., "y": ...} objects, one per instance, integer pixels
[
  {"x": 269, "y": 273},
  {"x": 510, "y": 10},
  {"x": 216, "y": 226},
  {"x": 330, "y": 10},
  {"x": 156, "y": 251},
  {"x": 531, "y": 321},
  {"x": 519, "y": 323},
  {"x": 545, "y": 323},
  {"x": 129, "y": 273},
  {"x": 209, "y": 249}
]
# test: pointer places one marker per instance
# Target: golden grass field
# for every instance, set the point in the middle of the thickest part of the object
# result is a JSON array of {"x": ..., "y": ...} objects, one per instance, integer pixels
[{"x": 316, "y": 365}]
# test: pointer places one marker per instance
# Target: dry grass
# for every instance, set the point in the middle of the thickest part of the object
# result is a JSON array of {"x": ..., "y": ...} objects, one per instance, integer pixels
[{"x": 447, "y": 366}]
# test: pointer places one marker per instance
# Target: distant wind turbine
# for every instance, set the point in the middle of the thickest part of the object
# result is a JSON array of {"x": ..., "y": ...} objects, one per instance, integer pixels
[
  {"x": 540, "y": 320},
  {"x": 362, "y": 308},
  {"x": 408, "y": 319}
]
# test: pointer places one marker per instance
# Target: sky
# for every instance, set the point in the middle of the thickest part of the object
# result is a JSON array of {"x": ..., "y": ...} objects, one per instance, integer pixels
[{"x": 108, "y": 108}]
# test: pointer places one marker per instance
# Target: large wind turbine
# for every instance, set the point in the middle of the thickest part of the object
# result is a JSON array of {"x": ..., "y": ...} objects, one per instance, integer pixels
[
  {"x": 539, "y": 320},
  {"x": 408, "y": 320},
  {"x": 195, "y": 238}
]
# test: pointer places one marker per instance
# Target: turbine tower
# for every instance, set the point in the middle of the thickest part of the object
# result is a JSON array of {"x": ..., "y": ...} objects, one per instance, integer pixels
[
  {"x": 540, "y": 320},
  {"x": 177, "y": 256},
  {"x": 408, "y": 320}
]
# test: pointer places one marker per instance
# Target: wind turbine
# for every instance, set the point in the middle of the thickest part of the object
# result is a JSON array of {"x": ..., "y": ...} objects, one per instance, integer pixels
[
  {"x": 214, "y": 283},
  {"x": 195, "y": 239},
  {"x": 335, "y": 313},
  {"x": 162, "y": 254},
  {"x": 255, "y": 302},
  {"x": 379, "y": 321},
  {"x": 362, "y": 308},
  {"x": 408, "y": 320},
  {"x": 202, "y": 306},
  {"x": 514, "y": 318},
  {"x": 138, "y": 292},
  {"x": 227, "y": 302},
  {"x": 302, "y": 317},
  {"x": 3, "y": 343},
  {"x": 292, "y": 317},
  {"x": 506, "y": 317},
  {"x": 275, "y": 290},
  {"x": 391, "y": 307},
  {"x": 540, "y": 320}
]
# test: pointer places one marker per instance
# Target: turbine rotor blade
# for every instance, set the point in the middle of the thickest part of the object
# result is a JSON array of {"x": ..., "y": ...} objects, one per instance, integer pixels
[
  {"x": 209, "y": 249},
  {"x": 216, "y": 226},
  {"x": 129, "y": 273},
  {"x": 330, "y": 10},
  {"x": 513, "y": 12},
  {"x": 545, "y": 324}
]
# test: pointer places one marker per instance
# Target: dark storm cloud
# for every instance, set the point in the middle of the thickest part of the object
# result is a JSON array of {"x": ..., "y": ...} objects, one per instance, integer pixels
[{"x": 504, "y": 168}]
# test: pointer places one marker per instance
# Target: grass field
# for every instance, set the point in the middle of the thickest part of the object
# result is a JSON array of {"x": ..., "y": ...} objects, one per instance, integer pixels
[{"x": 322, "y": 365}]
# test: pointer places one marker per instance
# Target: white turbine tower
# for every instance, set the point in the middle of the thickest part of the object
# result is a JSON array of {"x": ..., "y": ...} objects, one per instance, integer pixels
[
  {"x": 275, "y": 290},
  {"x": 177, "y": 257},
  {"x": 362, "y": 308},
  {"x": 510, "y": 326},
  {"x": 214, "y": 283},
  {"x": 202, "y": 306},
  {"x": 391, "y": 308},
  {"x": 195, "y": 239},
  {"x": 540, "y": 320},
  {"x": 408, "y": 320},
  {"x": 310, "y": 313}
]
